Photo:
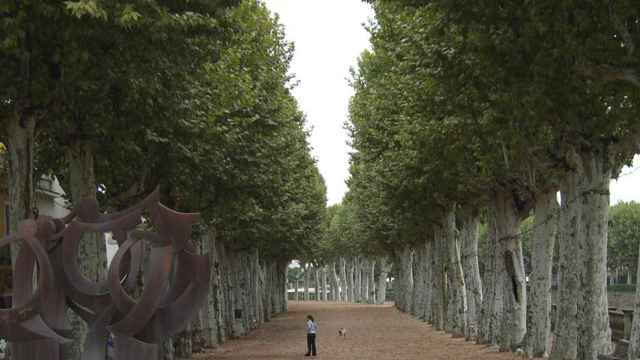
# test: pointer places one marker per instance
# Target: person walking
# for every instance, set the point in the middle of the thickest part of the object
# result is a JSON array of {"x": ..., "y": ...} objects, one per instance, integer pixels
[{"x": 312, "y": 329}]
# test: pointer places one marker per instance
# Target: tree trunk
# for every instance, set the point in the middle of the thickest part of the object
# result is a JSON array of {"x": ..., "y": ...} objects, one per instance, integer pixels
[
  {"x": 215, "y": 304},
  {"x": 438, "y": 281},
  {"x": 335, "y": 282},
  {"x": 307, "y": 279},
  {"x": 583, "y": 320},
  {"x": 428, "y": 276},
  {"x": 457, "y": 297},
  {"x": 282, "y": 268},
  {"x": 344, "y": 283},
  {"x": 20, "y": 143},
  {"x": 594, "y": 302},
  {"x": 419, "y": 283},
  {"x": 471, "y": 270},
  {"x": 183, "y": 344},
  {"x": 92, "y": 252},
  {"x": 20, "y": 182},
  {"x": 357, "y": 273},
  {"x": 491, "y": 316},
  {"x": 372, "y": 282},
  {"x": 545, "y": 226},
  {"x": 381, "y": 289},
  {"x": 406, "y": 279},
  {"x": 364, "y": 281},
  {"x": 316, "y": 285},
  {"x": 351, "y": 281},
  {"x": 324, "y": 283},
  {"x": 514, "y": 327},
  {"x": 210, "y": 324}
]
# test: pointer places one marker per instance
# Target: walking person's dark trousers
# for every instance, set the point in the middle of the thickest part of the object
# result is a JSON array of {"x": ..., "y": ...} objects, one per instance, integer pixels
[{"x": 311, "y": 344}]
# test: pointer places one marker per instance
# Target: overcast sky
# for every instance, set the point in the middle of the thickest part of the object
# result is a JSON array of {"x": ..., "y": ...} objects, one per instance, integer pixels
[{"x": 328, "y": 37}]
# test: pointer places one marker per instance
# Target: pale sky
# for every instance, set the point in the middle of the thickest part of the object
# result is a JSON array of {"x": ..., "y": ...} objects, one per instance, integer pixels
[
  {"x": 328, "y": 37},
  {"x": 627, "y": 187}
]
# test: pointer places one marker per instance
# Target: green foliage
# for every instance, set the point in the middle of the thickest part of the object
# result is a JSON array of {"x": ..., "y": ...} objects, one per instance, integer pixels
[
  {"x": 191, "y": 96},
  {"x": 458, "y": 100},
  {"x": 624, "y": 236},
  {"x": 624, "y": 288},
  {"x": 295, "y": 274}
]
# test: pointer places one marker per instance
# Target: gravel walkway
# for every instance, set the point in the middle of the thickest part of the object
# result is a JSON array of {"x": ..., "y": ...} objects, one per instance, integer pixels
[{"x": 373, "y": 332}]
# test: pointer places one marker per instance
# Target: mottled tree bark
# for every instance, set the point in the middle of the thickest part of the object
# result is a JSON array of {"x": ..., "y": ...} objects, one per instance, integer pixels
[
  {"x": 307, "y": 279},
  {"x": 92, "y": 252},
  {"x": 20, "y": 148},
  {"x": 471, "y": 269},
  {"x": 20, "y": 182},
  {"x": 357, "y": 280},
  {"x": 351, "y": 281},
  {"x": 406, "y": 261},
  {"x": 419, "y": 282},
  {"x": 372, "y": 282},
  {"x": 316, "y": 284},
  {"x": 381, "y": 288},
  {"x": 491, "y": 316},
  {"x": 438, "y": 280},
  {"x": 545, "y": 226},
  {"x": 428, "y": 277},
  {"x": 583, "y": 330},
  {"x": 364, "y": 282},
  {"x": 514, "y": 326},
  {"x": 344, "y": 282},
  {"x": 457, "y": 297},
  {"x": 323, "y": 283}
]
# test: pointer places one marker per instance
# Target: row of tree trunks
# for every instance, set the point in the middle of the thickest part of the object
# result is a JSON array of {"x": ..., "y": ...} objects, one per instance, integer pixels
[
  {"x": 439, "y": 279},
  {"x": 440, "y": 282},
  {"x": 246, "y": 290},
  {"x": 20, "y": 135},
  {"x": 354, "y": 279}
]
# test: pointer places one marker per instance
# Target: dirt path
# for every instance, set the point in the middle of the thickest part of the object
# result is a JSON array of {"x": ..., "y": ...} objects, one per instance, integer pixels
[{"x": 373, "y": 332}]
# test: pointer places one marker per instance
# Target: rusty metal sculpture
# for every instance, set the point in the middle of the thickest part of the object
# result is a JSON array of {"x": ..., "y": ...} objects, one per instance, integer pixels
[{"x": 175, "y": 287}]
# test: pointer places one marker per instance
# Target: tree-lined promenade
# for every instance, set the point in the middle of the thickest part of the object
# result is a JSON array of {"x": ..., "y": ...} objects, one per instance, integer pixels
[
  {"x": 477, "y": 128},
  {"x": 373, "y": 332}
]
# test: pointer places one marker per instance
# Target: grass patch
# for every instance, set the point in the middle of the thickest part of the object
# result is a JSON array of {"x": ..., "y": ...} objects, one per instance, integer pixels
[{"x": 622, "y": 288}]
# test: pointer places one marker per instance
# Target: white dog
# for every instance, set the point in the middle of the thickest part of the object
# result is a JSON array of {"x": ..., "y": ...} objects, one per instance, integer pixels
[{"x": 342, "y": 332}]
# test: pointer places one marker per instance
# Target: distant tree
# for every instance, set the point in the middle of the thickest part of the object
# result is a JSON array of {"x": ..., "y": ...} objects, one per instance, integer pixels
[{"x": 624, "y": 236}]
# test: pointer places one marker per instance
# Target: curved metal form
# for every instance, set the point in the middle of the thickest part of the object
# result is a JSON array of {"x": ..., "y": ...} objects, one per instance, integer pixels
[{"x": 175, "y": 286}]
